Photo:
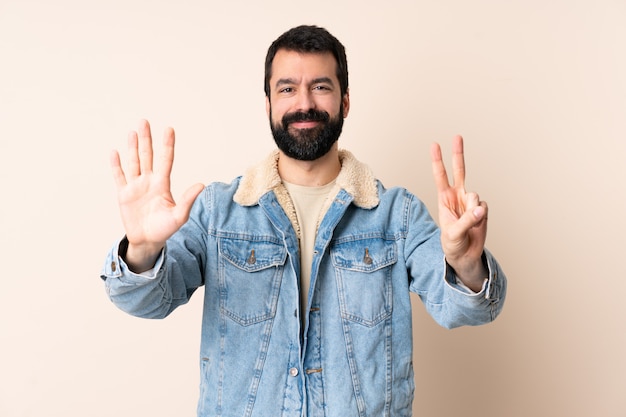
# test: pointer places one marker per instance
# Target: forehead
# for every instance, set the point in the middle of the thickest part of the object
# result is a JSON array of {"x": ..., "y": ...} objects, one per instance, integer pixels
[{"x": 303, "y": 66}]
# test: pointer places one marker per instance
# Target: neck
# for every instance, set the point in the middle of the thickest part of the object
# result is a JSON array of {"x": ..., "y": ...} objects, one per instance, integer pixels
[{"x": 310, "y": 173}]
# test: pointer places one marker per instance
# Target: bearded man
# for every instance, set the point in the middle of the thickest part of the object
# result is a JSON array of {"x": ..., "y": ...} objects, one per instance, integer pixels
[{"x": 307, "y": 260}]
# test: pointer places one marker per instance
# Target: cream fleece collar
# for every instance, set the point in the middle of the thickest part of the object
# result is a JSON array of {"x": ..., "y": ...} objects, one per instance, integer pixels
[{"x": 354, "y": 177}]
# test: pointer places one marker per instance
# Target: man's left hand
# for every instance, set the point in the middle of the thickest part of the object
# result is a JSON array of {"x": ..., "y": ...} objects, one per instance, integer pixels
[{"x": 462, "y": 218}]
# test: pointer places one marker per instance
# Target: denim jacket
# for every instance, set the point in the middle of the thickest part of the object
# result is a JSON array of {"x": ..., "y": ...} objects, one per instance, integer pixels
[{"x": 351, "y": 354}]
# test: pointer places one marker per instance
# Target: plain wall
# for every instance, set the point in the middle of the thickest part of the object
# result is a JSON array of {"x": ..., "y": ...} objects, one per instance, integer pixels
[{"x": 536, "y": 87}]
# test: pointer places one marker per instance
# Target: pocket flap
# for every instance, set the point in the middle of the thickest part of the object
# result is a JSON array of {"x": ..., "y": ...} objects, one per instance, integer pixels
[
  {"x": 364, "y": 255},
  {"x": 252, "y": 255}
]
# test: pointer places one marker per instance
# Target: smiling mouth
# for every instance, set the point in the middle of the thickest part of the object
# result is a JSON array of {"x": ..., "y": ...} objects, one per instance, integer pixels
[{"x": 304, "y": 124}]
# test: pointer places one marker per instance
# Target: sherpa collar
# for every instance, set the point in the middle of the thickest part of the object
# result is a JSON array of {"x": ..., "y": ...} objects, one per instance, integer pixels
[{"x": 354, "y": 177}]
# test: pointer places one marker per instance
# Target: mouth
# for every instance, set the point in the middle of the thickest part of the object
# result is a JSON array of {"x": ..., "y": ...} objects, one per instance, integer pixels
[{"x": 304, "y": 124}]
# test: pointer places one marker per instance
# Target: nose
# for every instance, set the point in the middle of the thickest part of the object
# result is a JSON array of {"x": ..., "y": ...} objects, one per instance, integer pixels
[{"x": 304, "y": 100}]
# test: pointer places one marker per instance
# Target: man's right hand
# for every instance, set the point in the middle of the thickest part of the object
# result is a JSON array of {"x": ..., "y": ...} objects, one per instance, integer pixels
[{"x": 149, "y": 213}]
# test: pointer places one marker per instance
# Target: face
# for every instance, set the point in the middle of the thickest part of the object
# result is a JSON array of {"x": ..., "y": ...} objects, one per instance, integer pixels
[{"x": 305, "y": 106}]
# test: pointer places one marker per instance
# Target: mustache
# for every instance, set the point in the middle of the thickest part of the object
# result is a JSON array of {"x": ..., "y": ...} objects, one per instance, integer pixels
[{"x": 309, "y": 116}]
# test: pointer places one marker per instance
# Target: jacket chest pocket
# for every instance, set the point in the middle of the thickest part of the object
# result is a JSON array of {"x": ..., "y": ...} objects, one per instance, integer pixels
[
  {"x": 250, "y": 276},
  {"x": 363, "y": 271}
]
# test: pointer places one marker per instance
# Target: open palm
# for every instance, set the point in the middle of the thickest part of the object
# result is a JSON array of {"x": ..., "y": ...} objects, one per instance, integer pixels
[{"x": 149, "y": 213}]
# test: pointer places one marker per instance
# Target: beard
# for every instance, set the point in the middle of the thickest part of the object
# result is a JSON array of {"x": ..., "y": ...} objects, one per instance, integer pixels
[{"x": 307, "y": 144}]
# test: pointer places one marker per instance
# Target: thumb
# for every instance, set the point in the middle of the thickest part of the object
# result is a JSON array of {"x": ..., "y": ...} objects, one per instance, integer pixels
[
  {"x": 472, "y": 217},
  {"x": 479, "y": 212},
  {"x": 181, "y": 212}
]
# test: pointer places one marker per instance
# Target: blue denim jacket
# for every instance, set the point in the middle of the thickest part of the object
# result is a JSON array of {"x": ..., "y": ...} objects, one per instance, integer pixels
[{"x": 354, "y": 355}]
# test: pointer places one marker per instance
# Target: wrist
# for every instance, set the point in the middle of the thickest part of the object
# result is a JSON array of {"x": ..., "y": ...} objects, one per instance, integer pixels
[
  {"x": 139, "y": 257},
  {"x": 472, "y": 272}
]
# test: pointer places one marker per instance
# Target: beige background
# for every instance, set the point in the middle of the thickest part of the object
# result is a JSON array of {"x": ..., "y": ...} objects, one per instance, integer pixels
[{"x": 537, "y": 88}]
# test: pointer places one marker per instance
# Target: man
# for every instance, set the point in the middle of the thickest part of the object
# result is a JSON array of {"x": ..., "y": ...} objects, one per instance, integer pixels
[{"x": 307, "y": 261}]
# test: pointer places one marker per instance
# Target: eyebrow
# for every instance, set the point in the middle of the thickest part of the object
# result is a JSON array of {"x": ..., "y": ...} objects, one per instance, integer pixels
[{"x": 287, "y": 81}]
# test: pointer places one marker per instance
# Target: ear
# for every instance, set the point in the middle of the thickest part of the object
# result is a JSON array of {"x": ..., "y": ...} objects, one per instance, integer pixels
[
  {"x": 346, "y": 103},
  {"x": 268, "y": 106}
]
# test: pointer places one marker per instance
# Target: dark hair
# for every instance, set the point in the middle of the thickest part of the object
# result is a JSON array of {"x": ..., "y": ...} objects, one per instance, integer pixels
[{"x": 309, "y": 39}]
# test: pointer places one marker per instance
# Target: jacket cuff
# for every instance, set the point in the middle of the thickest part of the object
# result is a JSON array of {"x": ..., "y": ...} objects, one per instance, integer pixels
[
  {"x": 490, "y": 283},
  {"x": 115, "y": 266}
]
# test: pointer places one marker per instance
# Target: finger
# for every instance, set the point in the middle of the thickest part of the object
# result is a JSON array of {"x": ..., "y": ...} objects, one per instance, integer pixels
[
  {"x": 145, "y": 147},
  {"x": 166, "y": 161},
  {"x": 133, "y": 156},
  {"x": 458, "y": 162},
  {"x": 116, "y": 168},
  {"x": 439, "y": 170},
  {"x": 472, "y": 200}
]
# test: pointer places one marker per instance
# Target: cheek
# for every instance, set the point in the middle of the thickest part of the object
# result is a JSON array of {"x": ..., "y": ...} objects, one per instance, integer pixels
[
  {"x": 332, "y": 106},
  {"x": 276, "y": 113}
]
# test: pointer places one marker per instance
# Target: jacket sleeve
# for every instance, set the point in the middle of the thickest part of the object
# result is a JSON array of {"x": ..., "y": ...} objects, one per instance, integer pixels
[
  {"x": 177, "y": 273},
  {"x": 450, "y": 304}
]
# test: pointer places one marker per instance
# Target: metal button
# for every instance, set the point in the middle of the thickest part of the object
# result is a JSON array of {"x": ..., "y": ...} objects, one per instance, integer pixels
[
  {"x": 252, "y": 258},
  {"x": 293, "y": 371},
  {"x": 367, "y": 259},
  {"x": 113, "y": 266}
]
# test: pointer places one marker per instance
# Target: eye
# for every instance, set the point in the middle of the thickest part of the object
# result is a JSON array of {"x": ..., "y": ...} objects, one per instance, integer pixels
[{"x": 285, "y": 90}]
